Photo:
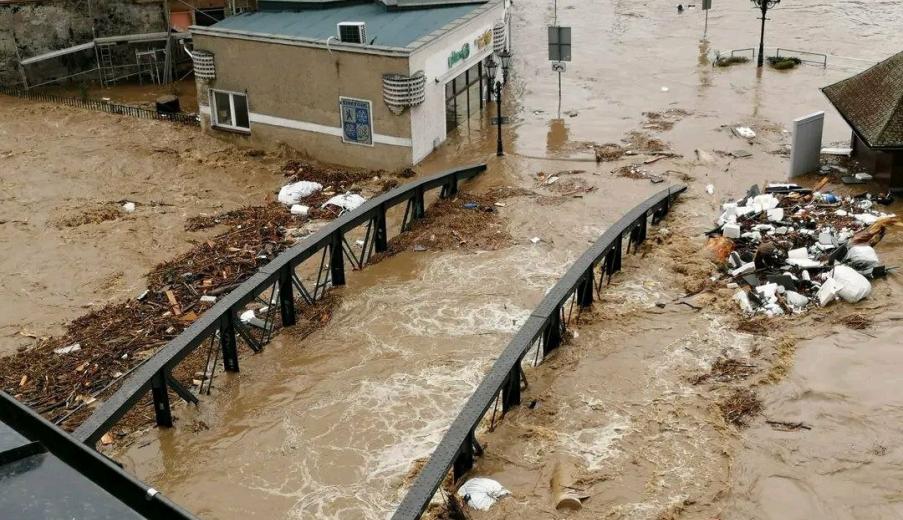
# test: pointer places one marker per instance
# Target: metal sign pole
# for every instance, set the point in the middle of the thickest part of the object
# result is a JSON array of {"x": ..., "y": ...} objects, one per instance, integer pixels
[{"x": 559, "y": 52}]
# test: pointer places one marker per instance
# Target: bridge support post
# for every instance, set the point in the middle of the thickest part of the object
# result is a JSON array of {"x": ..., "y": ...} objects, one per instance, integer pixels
[
  {"x": 381, "y": 233},
  {"x": 450, "y": 189},
  {"x": 419, "y": 208},
  {"x": 464, "y": 461},
  {"x": 286, "y": 297},
  {"x": 337, "y": 260},
  {"x": 552, "y": 334},
  {"x": 162, "y": 411},
  {"x": 511, "y": 390},
  {"x": 227, "y": 341},
  {"x": 585, "y": 290}
]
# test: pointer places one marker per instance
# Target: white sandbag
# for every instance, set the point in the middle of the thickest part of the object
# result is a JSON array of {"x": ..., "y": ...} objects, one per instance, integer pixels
[
  {"x": 348, "y": 201},
  {"x": 481, "y": 493},
  {"x": 862, "y": 258},
  {"x": 743, "y": 299},
  {"x": 745, "y": 132},
  {"x": 866, "y": 218},
  {"x": 300, "y": 210},
  {"x": 796, "y": 300},
  {"x": 768, "y": 291},
  {"x": 294, "y": 192},
  {"x": 764, "y": 202},
  {"x": 827, "y": 293},
  {"x": 853, "y": 287},
  {"x": 248, "y": 317}
]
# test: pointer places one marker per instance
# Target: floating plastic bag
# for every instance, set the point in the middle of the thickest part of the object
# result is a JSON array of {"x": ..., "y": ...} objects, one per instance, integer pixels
[
  {"x": 348, "y": 201},
  {"x": 294, "y": 192},
  {"x": 745, "y": 132},
  {"x": 481, "y": 493},
  {"x": 862, "y": 258},
  {"x": 853, "y": 287}
]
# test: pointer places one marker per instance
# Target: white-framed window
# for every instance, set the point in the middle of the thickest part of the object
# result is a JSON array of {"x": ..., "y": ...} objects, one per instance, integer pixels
[{"x": 230, "y": 110}]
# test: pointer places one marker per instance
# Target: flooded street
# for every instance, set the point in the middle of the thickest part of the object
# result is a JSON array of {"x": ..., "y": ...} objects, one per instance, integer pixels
[{"x": 330, "y": 426}]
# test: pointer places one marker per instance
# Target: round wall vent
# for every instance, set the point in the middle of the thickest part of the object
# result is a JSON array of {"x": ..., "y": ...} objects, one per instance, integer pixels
[
  {"x": 204, "y": 67},
  {"x": 400, "y": 91}
]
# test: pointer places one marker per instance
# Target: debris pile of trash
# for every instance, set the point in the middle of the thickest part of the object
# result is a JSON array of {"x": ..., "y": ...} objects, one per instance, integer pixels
[{"x": 791, "y": 247}]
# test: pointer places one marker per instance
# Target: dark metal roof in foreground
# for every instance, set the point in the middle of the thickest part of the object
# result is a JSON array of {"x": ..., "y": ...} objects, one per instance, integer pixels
[
  {"x": 45, "y": 474},
  {"x": 872, "y": 103}
]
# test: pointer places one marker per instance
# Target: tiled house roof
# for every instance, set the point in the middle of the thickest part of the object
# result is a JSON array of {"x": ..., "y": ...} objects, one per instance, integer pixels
[{"x": 872, "y": 103}]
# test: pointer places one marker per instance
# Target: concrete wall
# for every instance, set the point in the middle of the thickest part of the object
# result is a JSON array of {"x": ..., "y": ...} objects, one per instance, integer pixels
[
  {"x": 39, "y": 27},
  {"x": 428, "y": 119},
  {"x": 302, "y": 86}
]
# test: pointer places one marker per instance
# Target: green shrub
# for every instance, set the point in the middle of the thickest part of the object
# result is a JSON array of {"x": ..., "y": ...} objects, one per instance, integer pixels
[
  {"x": 783, "y": 62},
  {"x": 727, "y": 61}
]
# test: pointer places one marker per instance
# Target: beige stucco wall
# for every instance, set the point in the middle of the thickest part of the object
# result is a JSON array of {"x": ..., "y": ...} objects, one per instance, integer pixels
[{"x": 304, "y": 84}]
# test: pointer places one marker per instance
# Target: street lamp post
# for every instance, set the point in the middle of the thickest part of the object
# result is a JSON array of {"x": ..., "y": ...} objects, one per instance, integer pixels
[
  {"x": 493, "y": 69},
  {"x": 764, "y": 6},
  {"x": 499, "y": 150}
]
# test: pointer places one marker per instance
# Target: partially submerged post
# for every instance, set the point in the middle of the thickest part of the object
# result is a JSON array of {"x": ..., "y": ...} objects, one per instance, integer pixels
[{"x": 764, "y": 6}]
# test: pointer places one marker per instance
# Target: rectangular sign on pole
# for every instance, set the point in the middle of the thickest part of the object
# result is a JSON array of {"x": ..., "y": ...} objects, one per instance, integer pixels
[
  {"x": 559, "y": 43},
  {"x": 706, "y": 5}
]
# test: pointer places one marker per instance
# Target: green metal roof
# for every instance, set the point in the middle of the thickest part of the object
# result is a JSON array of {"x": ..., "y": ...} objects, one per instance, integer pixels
[{"x": 390, "y": 28}]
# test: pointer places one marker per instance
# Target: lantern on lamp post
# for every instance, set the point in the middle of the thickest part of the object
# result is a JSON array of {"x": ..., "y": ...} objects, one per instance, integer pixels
[
  {"x": 764, "y": 6},
  {"x": 491, "y": 67}
]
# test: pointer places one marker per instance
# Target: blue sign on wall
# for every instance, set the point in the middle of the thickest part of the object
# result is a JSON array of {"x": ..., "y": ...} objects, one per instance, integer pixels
[{"x": 357, "y": 123}]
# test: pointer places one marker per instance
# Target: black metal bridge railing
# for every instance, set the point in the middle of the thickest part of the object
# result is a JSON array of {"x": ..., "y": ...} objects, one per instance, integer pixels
[
  {"x": 103, "y": 106},
  {"x": 275, "y": 287},
  {"x": 543, "y": 331}
]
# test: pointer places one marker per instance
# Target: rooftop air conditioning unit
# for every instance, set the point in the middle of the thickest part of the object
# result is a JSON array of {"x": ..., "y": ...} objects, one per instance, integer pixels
[{"x": 353, "y": 32}]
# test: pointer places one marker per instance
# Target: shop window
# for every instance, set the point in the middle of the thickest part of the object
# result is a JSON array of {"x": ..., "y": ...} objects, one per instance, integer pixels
[{"x": 230, "y": 110}]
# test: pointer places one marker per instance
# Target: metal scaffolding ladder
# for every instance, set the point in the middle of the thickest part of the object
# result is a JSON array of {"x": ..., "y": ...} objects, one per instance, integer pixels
[
  {"x": 105, "y": 57},
  {"x": 147, "y": 64}
]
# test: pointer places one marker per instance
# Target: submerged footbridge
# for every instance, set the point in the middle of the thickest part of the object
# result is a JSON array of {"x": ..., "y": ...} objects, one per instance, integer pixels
[
  {"x": 283, "y": 287},
  {"x": 275, "y": 286},
  {"x": 542, "y": 333}
]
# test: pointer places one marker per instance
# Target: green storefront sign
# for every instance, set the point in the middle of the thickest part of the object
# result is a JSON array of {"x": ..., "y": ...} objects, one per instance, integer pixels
[{"x": 459, "y": 55}]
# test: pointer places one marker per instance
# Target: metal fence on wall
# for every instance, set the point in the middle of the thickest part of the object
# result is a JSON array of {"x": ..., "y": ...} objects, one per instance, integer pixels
[
  {"x": 542, "y": 332},
  {"x": 104, "y": 106}
]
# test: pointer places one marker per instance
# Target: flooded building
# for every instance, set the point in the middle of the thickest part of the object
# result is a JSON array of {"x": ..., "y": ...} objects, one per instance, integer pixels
[
  {"x": 871, "y": 102},
  {"x": 375, "y": 84}
]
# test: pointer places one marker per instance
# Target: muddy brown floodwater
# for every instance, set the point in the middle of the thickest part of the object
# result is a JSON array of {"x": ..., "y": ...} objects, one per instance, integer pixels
[
  {"x": 64, "y": 175},
  {"x": 330, "y": 426}
]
